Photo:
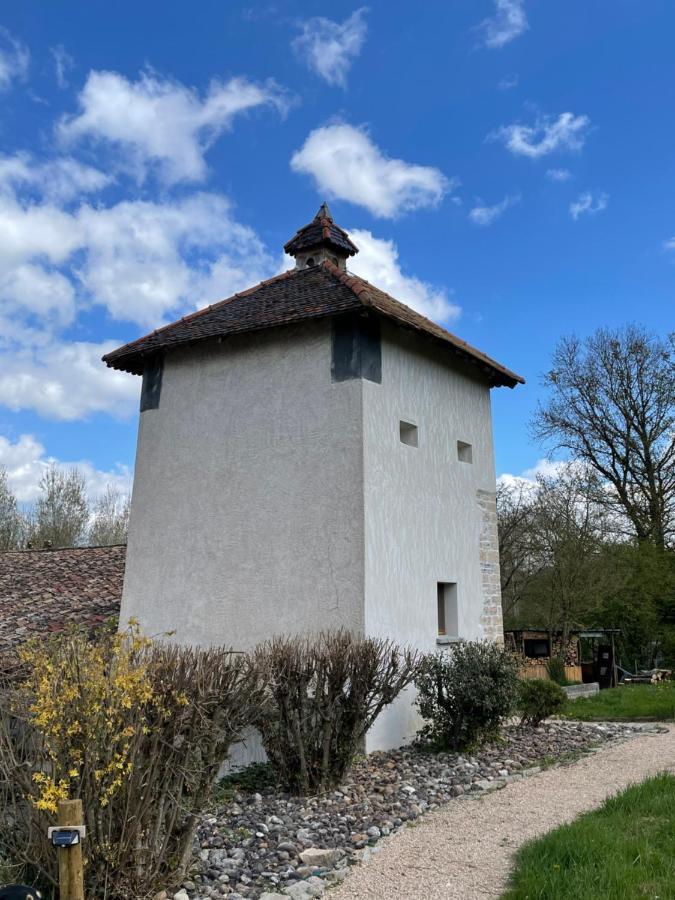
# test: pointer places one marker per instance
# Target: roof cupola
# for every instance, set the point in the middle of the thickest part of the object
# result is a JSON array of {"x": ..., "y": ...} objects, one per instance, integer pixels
[{"x": 321, "y": 240}]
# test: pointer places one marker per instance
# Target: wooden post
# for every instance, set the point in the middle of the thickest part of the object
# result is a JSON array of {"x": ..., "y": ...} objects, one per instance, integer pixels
[{"x": 71, "y": 872}]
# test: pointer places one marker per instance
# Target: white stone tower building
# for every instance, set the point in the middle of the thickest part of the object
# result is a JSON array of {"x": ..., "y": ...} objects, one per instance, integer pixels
[{"x": 313, "y": 454}]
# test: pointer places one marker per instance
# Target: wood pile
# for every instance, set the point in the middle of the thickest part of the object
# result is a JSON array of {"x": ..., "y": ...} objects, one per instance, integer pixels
[{"x": 649, "y": 676}]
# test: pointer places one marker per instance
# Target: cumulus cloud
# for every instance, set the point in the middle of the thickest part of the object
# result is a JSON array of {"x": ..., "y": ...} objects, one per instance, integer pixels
[
  {"x": 547, "y": 135},
  {"x": 66, "y": 382},
  {"x": 329, "y": 48},
  {"x": 26, "y": 460},
  {"x": 378, "y": 262},
  {"x": 558, "y": 174},
  {"x": 588, "y": 204},
  {"x": 487, "y": 215},
  {"x": 162, "y": 124},
  {"x": 346, "y": 164},
  {"x": 144, "y": 261},
  {"x": 14, "y": 59},
  {"x": 508, "y": 22},
  {"x": 60, "y": 179}
]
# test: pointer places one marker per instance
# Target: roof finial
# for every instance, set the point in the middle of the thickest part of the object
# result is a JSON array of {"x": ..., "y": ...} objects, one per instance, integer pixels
[{"x": 323, "y": 213}]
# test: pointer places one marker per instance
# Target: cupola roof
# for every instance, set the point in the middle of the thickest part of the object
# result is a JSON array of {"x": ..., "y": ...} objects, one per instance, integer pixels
[{"x": 322, "y": 232}]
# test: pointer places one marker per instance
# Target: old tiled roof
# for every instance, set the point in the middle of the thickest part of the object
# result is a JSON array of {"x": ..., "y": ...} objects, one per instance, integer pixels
[
  {"x": 43, "y": 591},
  {"x": 321, "y": 232},
  {"x": 297, "y": 296}
]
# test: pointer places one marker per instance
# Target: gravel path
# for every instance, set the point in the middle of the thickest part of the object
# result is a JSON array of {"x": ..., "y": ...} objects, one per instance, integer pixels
[{"x": 465, "y": 849}]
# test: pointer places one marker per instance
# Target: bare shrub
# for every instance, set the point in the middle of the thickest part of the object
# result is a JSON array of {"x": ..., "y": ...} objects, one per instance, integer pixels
[
  {"x": 138, "y": 732},
  {"x": 322, "y": 694}
]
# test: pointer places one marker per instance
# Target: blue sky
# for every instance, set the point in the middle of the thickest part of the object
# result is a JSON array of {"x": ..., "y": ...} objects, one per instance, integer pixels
[{"x": 506, "y": 167}]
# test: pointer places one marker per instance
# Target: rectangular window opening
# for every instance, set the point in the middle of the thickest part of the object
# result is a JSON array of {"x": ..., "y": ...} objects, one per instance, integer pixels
[
  {"x": 409, "y": 434},
  {"x": 464, "y": 452},
  {"x": 448, "y": 623}
]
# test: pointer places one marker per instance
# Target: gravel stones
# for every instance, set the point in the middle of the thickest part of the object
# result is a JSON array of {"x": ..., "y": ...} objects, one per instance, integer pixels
[{"x": 257, "y": 846}]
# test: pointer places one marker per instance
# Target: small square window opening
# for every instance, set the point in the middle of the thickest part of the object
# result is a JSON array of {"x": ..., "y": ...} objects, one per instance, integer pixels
[
  {"x": 409, "y": 434},
  {"x": 464, "y": 452},
  {"x": 448, "y": 624}
]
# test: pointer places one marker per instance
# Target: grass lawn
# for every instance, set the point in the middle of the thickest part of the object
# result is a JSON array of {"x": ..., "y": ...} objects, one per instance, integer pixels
[
  {"x": 625, "y": 849},
  {"x": 628, "y": 703}
]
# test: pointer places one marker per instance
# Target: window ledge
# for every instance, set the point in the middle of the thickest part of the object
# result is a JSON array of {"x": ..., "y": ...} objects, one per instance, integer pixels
[{"x": 442, "y": 640}]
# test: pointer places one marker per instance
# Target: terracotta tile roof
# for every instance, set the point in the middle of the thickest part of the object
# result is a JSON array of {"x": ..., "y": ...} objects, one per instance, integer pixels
[
  {"x": 296, "y": 296},
  {"x": 43, "y": 591}
]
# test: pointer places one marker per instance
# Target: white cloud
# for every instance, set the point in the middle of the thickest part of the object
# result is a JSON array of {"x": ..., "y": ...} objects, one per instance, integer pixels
[
  {"x": 26, "y": 460},
  {"x": 141, "y": 257},
  {"x": 558, "y": 174},
  {"x": 508, "y": 22},
  {"x": 486, "y": 215},
  {"x": 346, "y": 164},
  {"x": 63, "y": 62},
  {"x": 143, "y": 261},
  {"x": 378, "y": 262},
  {"x": 508, "y": 82},
  {"x": 40, "y": 291},
  {"x": 14, "y": 59},
  {"x": 66, "y": 382},
  {"x": 669, "y": 244},
  {"x": 547, "y": 135},
  {"x": 329, "y": 48},
  {"x": 588, "y": 204},
  {"x": 58, "y": 179},
  {"x": 161, "y": 123}
]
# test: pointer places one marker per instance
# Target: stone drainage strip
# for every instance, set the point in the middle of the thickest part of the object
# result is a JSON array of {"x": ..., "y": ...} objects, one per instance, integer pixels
[{"x": 259, "y": 846}]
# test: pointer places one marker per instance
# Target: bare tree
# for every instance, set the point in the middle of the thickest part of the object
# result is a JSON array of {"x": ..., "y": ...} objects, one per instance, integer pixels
[
  {"x": 612, "y": 405},
  {"x": 61, "y": 511},
  {"x": 568, "y": 530},
  {"x": 11, "y": 520},
  {"x": 110, "y": 518},
  {"x": 518, "y": 561}
]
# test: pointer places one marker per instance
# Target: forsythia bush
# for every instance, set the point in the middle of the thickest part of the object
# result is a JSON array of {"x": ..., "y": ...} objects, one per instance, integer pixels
[
  {"x": 465, "y": 693},
  {"x": 136, "y": 730}
]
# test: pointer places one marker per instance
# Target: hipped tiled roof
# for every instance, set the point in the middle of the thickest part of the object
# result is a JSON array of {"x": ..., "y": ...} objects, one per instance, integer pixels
[
  {"x": 296, "y": 296},
  {"x": 44, "y": 591}
]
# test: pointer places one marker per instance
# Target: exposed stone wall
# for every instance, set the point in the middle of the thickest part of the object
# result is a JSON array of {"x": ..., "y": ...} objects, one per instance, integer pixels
[{"x": 491, "y": 616}]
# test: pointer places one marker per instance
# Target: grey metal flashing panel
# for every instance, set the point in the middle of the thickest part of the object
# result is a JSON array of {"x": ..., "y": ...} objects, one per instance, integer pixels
[
  {"x": 356, "y": 348},
  {"x": 152, "y": 383}
]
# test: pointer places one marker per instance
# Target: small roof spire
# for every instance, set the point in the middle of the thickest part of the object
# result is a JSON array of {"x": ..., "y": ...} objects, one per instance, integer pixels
[
  {"x": 323, "y": 213},
  {"x": 321, "y": 235}
]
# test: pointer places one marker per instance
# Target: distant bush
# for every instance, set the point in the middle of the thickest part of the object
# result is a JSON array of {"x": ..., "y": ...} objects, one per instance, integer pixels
[
  {"x": 322, "y": 694},
  {"x": 136, "y": 730},
  {"x": 556, "y": 670},
  {"x": 538, "y": 699},
  {"x": 464, "y": 694}
]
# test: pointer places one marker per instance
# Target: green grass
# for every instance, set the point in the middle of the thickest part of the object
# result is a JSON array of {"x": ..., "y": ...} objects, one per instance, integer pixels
[
  {"x": 625, "y": 849},
  {"x": 629, "y": 703}
]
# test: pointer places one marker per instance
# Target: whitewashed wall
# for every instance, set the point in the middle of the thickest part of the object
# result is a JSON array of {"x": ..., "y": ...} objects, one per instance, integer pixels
[
  {"x": 422, "y": 513},
  {"x": 247, "y": 511}
]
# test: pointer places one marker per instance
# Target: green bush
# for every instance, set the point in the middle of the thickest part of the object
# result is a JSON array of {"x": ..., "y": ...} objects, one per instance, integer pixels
[
  {"x": 465, "y": 693},
  {"x": 538, "y": 699},
  {"x": 556, "y": 670},
  {"x": 322, "y": 694}
]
